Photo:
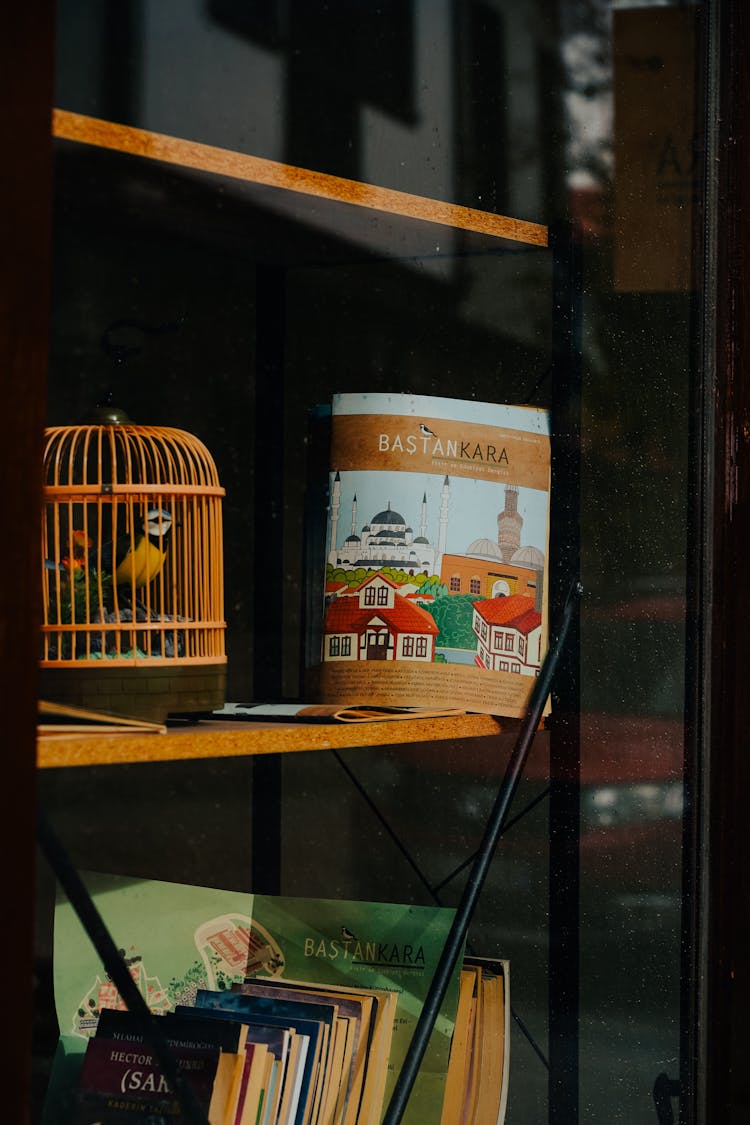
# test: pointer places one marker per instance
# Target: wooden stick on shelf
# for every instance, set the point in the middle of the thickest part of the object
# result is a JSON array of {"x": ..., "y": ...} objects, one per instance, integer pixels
[{"x": 270, "y": 173}]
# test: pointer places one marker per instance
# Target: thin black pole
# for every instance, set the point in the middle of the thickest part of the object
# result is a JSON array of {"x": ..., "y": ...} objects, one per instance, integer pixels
[
  {"x": 101, "y": 939},
  {"x": 268, "y": 598},
  {"x": 478, "y": 873},
  {"x": 565, "y": 749}
]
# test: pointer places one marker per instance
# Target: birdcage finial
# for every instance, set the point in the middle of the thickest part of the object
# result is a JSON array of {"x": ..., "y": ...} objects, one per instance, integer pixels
[{"x": 106, "y": 412}]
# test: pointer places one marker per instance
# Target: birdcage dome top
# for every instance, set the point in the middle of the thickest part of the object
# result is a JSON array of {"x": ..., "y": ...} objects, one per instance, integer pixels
[{"x": 124, "y": 456}]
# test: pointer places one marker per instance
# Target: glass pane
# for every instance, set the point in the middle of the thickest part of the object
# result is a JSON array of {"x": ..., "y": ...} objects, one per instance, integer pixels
[{"x": 221, "y": 304}]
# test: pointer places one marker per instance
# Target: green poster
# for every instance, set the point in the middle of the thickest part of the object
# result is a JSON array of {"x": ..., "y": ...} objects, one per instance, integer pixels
[{"x": 176, "y": 939}]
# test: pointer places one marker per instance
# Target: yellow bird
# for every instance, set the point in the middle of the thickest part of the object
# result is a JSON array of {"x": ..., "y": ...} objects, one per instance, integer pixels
[{"x": 138, "y": 560}]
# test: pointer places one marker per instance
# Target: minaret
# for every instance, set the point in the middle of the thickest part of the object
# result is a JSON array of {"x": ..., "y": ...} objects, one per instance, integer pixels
[
  {"x": 335, "y": 505},
  {"x": 354, "y": 515},
  {"x": 509, "y": 524},
  {"x": 443, "y": 527},
  {"x": 423, "y": 525}
]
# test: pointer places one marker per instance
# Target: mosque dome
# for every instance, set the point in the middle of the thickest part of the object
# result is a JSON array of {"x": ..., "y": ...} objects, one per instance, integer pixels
[
  {"x": 530, "y": 557},
  {"x": 484, "y": 549},
  {"x": 389, "y": 517}
]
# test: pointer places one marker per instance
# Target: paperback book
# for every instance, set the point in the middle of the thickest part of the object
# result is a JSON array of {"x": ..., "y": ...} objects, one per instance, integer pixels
[
  {"x": 330, "y": 992},
  {"x": 436, "y": 582},
  {"x": 477, "y": 1083},
  {"x": 124, "y": 1081}
]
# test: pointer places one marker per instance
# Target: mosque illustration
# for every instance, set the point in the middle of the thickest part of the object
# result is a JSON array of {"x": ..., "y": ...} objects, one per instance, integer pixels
[
  {"x": 380, "y": 619},
  {"x": 386, "y": 540}
]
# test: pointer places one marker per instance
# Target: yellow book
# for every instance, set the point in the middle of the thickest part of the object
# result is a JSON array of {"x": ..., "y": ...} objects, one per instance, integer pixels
[
  {"x": 222, "y": 1108},
  {"x": 252, "y": 1090},
  {"x": 376, "y": 1072},
  {"x": 290, "y": 1094},
  {"x": 475, "y": 1051},
  {"x": 493, "y": 1061},
  {"x": 455, "y": 1079},
  {"x": 334, "y": 1072},
  {"x": 490, "y": 1063}
]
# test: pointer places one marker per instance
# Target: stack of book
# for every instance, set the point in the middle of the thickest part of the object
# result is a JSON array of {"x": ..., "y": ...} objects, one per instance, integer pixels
[
  {"x": 275, "y": 1010},
  {"x": 265, "y": 1052}
]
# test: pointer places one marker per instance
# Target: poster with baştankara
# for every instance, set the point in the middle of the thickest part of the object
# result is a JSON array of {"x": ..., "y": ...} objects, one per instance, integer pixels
[
  {"x": 271, "y": 963},
  {"x": 436, "y": 585}
]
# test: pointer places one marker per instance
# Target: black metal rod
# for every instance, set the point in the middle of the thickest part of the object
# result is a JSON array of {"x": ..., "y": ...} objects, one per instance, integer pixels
[
  {"x": 101, "y": 939},
  {"x": 395, "y": 838},
  {"x": 478, "y": 873},
  {"x": 506, "y": 828},
  {"x": 529, "y": 1038}
]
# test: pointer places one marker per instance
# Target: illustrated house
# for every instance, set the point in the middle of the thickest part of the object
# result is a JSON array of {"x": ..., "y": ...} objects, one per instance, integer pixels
[
  {"x": 509, "y": 634},
  {"x": 374, "y": 622}
]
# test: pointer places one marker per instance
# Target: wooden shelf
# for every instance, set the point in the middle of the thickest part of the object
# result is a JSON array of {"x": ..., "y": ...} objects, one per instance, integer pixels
[
  {"x": 270, "y": 173},
  {"x": 225, "y": 739}
]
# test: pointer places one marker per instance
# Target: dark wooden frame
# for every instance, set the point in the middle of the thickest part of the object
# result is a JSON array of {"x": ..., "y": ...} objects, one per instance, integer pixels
[
  {"x": 26, "y": 70},
  {"x": 723, "y": 1076}
]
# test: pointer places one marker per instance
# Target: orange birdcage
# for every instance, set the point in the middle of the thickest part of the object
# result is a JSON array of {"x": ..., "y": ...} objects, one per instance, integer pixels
[{"x": 132, "y": 570}]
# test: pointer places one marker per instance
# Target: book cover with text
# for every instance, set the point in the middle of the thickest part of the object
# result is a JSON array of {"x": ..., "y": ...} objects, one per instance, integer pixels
[{"x": 436, "y": 584}]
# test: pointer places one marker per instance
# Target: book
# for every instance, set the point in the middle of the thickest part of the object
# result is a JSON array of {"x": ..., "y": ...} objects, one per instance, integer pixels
[
  {"x": 190, "y": 1030},
  {"x": 369, "y": 1014},
  {"x": 458, "y": 1076},
  {"x": 124, "y": 1081},
  {"x": 366, "y": 1039},
  {"x": 331, "y": 1067},
  {"x": 477, "y": 1080},
  {"x": 436, "y": 584},
  {"x": 307, "y": 1021},
  {"x": 178, "y": 940},
  {"x": 270, "y": 1042},
  {"x": 328, "y": 713},
  {"x": 186, "y": 1029},
  {"x": 63, "y": 719},
  {"x": 254, "y": 1084}
]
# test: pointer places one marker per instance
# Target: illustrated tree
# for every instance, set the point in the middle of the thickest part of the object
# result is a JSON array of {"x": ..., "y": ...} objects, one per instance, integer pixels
[{"x": 453, "y": 617}]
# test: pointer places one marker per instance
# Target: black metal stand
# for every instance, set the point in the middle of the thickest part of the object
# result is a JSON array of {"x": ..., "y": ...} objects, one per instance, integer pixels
[
  {"x": 92, "y": 922},
  {"x": 480, "y": 867},
  {"x": 268, "y": 531}
]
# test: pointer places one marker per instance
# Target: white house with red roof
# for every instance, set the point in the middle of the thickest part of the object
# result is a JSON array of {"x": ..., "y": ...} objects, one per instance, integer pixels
[
  {"x": 374, "y": 622},
  {"x": 509, "y": 634}
]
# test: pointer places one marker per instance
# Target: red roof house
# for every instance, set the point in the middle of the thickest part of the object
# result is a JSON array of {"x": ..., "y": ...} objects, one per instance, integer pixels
[
  {"x": 509, "y": 634},
  {"x": 374, "y": 622}
]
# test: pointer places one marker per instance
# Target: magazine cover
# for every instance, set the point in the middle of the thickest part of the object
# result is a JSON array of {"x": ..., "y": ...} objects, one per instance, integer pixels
[
  {"x": 436, "y": 555},
  {"x": 178, "y": 940}
]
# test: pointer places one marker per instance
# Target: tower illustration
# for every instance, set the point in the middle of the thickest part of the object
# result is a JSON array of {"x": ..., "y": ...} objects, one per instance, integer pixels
[{"x": 509, "y": 524}]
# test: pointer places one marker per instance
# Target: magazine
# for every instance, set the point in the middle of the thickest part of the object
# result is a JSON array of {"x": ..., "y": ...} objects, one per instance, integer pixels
[{"x": 436, "y": 584}]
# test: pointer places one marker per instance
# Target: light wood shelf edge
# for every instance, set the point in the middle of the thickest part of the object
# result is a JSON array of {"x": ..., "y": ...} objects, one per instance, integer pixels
[
  {"x": 270, "y": 173},
  {"x": 228, "y": 739}
]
